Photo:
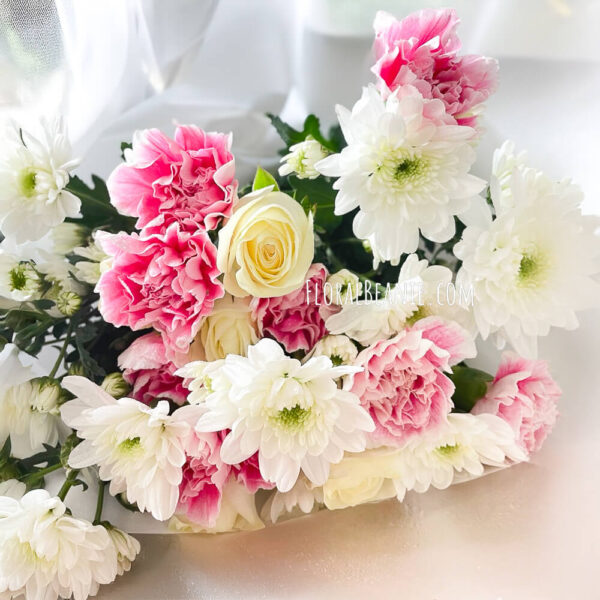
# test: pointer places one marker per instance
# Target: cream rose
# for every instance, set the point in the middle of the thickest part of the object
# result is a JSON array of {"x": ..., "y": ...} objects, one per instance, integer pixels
[
  {"x": 267, "y": 246},
  {"x": 363, "y": 477},
  {"x": 229, "y": 329}
]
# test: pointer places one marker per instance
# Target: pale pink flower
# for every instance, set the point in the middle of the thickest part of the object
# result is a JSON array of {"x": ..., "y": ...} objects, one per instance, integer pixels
[
  {"x": 204, "y": 475},
  {"x": 189, "y": 179},
  {"x": 295, "y": 320},
  {"x": 149, "y": 372},
  {"x": 422, "y": 50},
  {"x": 524, "y": 394},
  {"x": 403, "y": 384},
  {"x": 168, "y": 281}
]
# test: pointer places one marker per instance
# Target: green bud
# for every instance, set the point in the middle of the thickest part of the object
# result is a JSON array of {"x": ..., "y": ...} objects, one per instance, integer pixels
[
  {"x": 115, "y": 385},
  {"x": 76, "y": 369},
  {"x": 68, "y": 303},
  {"x": 67, "y": 448}
]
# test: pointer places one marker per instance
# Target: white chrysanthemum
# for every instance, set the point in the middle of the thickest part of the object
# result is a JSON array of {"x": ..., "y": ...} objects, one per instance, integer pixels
[
  {"x": 420, "y": 292},
  {"x": 342, "y": 287},
  {"x": 338, "y": 348},
  {"x": 302, "y": 159},
  {"x": 303, "y": 498},
  {"x": 293, "y": 414},
  {"x": 126, "y": 546},
  {"x": 34, "y": 172},
  {"x": 139, "y": 449},
  {"x": 19, "y": 279},
  {"x": 29, "y": 412},
  {"x": 96, "y": 261},
  {"x": 46, "y": 554},
  {"x": 531, "y": 267},
  {"x": 67, "y": 236},
  {"x": 204, "y": 379},
  {"x": 464, "y": 444},
  {"x": 406, "y": 167}
]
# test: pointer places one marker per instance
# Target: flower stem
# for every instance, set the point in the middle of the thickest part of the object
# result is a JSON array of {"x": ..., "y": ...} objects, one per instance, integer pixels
[
  {"x": 100, "y": 502},
  {"x": 62, "y": 352},
  {"x": 68, "y": 484},
  {"x": 31, "y": 477}
]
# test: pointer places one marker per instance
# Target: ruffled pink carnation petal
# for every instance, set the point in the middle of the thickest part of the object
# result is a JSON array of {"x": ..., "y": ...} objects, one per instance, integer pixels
[
  {"x": 449, "y": 336},
  {"x": 524, "y": 394},
  {"x": 204, "y": 475},
  {"x": 248, "y": 474},
  {"x": 150, "y": 373},
  {"x": 422, "y": 50},
  {"x": 189, "y": 180},
  {"x": 168, "y": 282},
  {"x": 296, "y": 320},
  {"x": 403, "y": 386}
]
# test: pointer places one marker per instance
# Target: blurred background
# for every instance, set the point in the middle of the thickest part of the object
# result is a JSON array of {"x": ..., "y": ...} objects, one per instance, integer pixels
[
  {"x": 112, "y": 66},
  {"x": 531, "y": 532}
]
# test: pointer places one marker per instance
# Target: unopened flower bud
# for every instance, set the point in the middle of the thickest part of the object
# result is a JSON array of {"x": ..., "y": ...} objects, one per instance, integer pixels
[
  {"x": 115, "y": 385},
  {"x": 342, "y": 287},
  {"x": 68, "y": 303},
  {"x": 302, "y": 159}
]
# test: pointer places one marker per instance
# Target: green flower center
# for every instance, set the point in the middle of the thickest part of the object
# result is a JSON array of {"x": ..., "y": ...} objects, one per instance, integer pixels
[
  {"x": 337, "y": 360},
  {"x": 18, "y": 278},
  {"x": 531, "y": 268},
  {"x": 419, "y": 314},
  {"x": 409, "y": 168},
  {"x": 293, "y": 418},
  {"x": 130, "y": 445},
  {"x": 448, "y": 450},
  {"x": 27, "y": 180}
]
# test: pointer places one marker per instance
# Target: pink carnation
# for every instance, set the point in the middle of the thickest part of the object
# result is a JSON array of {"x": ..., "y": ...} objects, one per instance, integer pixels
[
  {"x": 204, "y": 475},
  {"x": 422, "y": 50},
  {"x": 403, "y": 385},
  {"x": 295, "y": 320},
  {"x": 168, "y": 281},
  {"x": 248, "y": 474},
  {"x": 189, "y": 180},
  {"x": 524, "y": 394},
  {"x": 149, "y": 372}
]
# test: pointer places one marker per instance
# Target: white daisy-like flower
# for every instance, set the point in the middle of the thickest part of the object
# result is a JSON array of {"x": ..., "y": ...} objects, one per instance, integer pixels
[
  {"x": 139, "y": 449},
  {"x": 126, "y": 546},
  {"x": 46, "y": 554},
  {"x": 303, "y": 498},
  {"x": 406, "y": 167},
  {"x": 342, "y": 287},
  {"x": 205, "y": 378},
  {"x": 464, "y": 444},
  {"x": 95, "y": 262},
  {"x": 292, "y": 414},
  {"x": 302, "y": 159},
  {"x": 19, "y": 279},
  {"x": 531, "y": 267},
  {"x": 338, "y": 348},
  {"x": 418, "y": 293},
  {"x": 30, "y": 416},
  {"x": 34, "y": 172}
]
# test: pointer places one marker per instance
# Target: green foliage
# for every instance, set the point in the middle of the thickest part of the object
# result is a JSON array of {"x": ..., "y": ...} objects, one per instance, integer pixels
[
  {"x": 311, "y": 127},
  {"x": 317, "y": 196},
  {"x": 125, "y": 146},
  {"x": 264, "y": 179},
  {"x": 96, "y": 209},
  {"x": 471, "y": 385}
]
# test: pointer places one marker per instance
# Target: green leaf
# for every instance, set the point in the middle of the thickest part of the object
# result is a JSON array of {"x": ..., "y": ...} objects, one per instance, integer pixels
[
  {"x": 125, "y": 146},
  {"x": 319, "y": 195},
  {"x": 311, "y": 127},
  {"x": 263, "y": 179},
  {"x": 43, "y": 304},
  {"x": 471, "y": 385},
  {"x": 96, "y": 209}
]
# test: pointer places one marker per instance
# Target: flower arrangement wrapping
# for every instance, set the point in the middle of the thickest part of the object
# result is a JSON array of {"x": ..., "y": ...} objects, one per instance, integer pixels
[{"x": 226, "y": 354}]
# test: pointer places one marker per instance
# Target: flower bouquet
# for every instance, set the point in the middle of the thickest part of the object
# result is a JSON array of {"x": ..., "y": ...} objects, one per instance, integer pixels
[{"x": 223, "y": 355}]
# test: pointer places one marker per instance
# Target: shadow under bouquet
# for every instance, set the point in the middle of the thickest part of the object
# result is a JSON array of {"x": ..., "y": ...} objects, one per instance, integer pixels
[{"x": 222, "y": 355}]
